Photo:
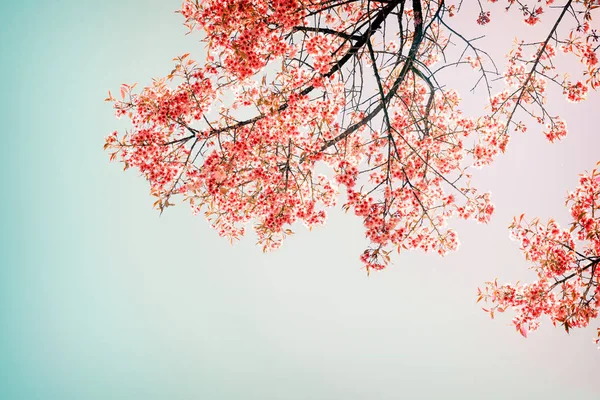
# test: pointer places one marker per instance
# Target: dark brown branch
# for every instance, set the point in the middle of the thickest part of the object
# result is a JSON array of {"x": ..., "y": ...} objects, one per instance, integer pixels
[
  {"x": 408, "y": 64},
  {"x": 536, "y": 62},
  {"x": 327, "y": 31}
]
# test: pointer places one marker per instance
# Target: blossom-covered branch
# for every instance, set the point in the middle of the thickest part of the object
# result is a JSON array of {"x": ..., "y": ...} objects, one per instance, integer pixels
[
  {"x": 566, "y": 261},
  {"x": 297, "y": 102}
]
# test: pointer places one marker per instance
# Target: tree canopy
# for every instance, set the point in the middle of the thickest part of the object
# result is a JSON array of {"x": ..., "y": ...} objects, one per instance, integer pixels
[{"x": 299, "y": 104}]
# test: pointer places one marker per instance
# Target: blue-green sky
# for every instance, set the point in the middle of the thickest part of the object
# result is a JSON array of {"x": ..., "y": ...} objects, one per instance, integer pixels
[{"x": 103, "y": 299}]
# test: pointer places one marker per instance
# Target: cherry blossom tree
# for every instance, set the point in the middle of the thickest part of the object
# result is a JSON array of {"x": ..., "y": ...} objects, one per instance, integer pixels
[{"x": 299, "y": 104}]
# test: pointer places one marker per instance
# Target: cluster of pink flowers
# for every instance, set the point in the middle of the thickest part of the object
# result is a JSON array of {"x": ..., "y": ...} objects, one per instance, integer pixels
[
  {"x": 576, "y": 92},
  {"x": 531, "y": 14},
  {"x": 244, "y": 33},
  {"x": 415, "y": 207},
  {"x": 484, "y": 18},
  {"x": 566, "y": 261},
  {"x": 533, "y": 17},
  {"x": 556, "y": 130}
]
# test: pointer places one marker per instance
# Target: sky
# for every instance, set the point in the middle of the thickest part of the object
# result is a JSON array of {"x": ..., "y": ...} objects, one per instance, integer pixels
[{"x": 103, "y": 298}]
